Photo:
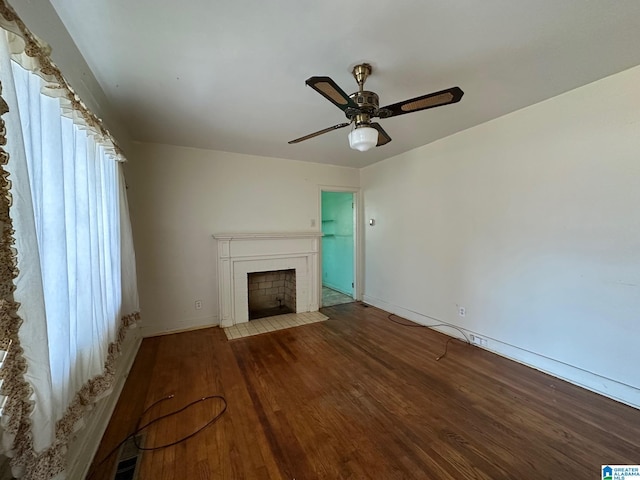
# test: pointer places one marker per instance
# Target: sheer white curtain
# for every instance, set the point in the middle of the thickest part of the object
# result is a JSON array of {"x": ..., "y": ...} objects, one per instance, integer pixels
[{"x": 76, "y": 285}]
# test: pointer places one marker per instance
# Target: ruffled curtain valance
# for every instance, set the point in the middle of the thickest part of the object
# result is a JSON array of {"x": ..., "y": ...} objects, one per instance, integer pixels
[{"x": 33, "y": 55}]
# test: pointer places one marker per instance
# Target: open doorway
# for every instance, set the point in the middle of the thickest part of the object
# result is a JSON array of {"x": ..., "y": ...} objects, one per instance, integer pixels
[{"x": 338, "y": 247}]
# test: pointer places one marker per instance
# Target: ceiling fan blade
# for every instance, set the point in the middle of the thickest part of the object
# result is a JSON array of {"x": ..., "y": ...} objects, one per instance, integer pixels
[
  {"x": 383, "y": 137},
  {"x": 330, "y": 90},
  {"x": 320, "y": 132},
  {"x": 431, "y": 100}
]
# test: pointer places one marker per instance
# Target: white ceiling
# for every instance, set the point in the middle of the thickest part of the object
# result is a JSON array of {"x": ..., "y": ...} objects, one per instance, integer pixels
[{"x": 229, "y": 74}]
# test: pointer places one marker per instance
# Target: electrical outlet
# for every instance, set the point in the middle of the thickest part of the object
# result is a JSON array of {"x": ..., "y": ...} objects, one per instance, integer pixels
[
  {"x": 462, "y": 311},
  {"x": 477, "y": 340},
  {"x": 198, "y": 304}
]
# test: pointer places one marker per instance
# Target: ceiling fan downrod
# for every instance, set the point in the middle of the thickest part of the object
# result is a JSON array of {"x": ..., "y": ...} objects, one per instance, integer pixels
[{"x": 361, "y": 73}]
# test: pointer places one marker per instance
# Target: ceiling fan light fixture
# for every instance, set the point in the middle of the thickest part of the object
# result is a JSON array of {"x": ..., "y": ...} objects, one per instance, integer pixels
[{"x": 363, "y": 138}]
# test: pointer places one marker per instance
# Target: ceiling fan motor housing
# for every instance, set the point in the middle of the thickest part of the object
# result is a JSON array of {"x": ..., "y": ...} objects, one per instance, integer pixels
[
  {"x": 366, "y": 100},
  {"x": 367, "y": 103}
]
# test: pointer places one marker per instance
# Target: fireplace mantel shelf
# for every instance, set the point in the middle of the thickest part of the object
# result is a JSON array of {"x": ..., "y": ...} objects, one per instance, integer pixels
[{"x": 265, "y": 236}]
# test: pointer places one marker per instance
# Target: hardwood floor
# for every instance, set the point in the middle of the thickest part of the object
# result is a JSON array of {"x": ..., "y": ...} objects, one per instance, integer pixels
[{"x": 360, "y": 397}]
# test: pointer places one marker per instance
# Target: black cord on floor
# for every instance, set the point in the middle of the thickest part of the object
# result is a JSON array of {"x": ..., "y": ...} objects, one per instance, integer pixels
[
  {"x": 417, "y": 325},
  {"x": 139, "y": 429},
  {"x": 446, "y": 346},
  {"x": 210, "y": 422}
]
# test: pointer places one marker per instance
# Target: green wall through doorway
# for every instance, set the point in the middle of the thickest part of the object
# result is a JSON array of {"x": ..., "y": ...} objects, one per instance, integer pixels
[{"x": 337, "y": 242}]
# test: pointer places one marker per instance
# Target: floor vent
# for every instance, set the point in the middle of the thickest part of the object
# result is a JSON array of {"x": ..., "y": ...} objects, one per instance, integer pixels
[{"x": 129, "y": 459}]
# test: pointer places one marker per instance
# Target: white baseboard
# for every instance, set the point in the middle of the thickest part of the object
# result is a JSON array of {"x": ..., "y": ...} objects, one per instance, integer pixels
[
  {"x": 85, "y": 445},
  {"x": 150, "y": 330},
  {"x": 596, "y": 383}
]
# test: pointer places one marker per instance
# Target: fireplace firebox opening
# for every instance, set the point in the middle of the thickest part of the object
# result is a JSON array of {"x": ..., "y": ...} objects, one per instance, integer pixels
[{"x": 271, "y": 293}]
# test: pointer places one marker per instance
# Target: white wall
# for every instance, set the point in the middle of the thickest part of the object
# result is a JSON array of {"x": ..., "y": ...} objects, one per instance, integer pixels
[
  {"x": 180, "y": 196},
  {"x": 531, "y": 222}
]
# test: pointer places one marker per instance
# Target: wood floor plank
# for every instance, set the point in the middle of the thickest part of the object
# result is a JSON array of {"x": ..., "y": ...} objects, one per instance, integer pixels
[{"x": 359, "y": 397}]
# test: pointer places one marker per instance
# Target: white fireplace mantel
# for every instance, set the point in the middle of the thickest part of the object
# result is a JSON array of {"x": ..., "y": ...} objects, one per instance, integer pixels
[{"x": 243, "y": 253}]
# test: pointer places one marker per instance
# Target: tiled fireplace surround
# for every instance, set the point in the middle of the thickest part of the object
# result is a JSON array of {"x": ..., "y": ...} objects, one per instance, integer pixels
[{"x": 243, "y": 253}]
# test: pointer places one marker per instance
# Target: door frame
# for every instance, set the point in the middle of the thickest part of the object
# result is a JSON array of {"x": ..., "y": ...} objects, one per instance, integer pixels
[{"x": 357, "y": 238}]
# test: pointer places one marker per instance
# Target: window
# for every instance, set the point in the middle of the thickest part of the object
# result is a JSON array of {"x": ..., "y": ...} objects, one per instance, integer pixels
[{"x": 68, "y": 303}]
